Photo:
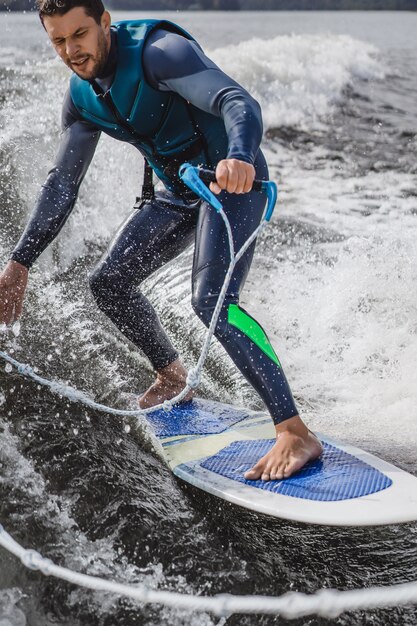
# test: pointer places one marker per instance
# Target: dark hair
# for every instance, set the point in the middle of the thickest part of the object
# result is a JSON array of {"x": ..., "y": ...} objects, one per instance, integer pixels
[{"x": 93, "y": 8}]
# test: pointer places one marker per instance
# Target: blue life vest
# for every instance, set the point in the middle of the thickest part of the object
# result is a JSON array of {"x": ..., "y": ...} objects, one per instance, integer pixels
[{"x": 167, "y": 129}]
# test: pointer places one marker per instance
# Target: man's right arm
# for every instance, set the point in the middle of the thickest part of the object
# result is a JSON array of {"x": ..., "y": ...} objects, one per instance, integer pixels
[
  {"x": 54, "y": 204},
  {"x": 59, "y": 192}
]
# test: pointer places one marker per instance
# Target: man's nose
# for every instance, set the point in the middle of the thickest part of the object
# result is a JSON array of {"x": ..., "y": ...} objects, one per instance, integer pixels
[{"x": 71, "y": 48}]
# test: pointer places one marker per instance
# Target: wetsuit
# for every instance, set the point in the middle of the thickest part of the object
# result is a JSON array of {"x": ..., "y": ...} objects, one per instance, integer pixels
[{"x": 166, "y": 224}]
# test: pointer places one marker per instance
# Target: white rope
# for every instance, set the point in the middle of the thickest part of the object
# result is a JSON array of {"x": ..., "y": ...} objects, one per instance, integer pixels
[
  {"x": 194, "y": 374},
  {"x": 327, "y": 602}
]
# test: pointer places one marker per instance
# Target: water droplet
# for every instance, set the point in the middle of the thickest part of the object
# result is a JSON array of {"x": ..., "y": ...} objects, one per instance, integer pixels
[
  {"x": 127, "y": 428},
  {"x": 8, "y": 368}
]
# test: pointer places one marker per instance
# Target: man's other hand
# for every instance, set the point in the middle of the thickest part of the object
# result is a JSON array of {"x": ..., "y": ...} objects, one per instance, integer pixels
[
  {"x": 13, "y": 281},
  {"x": 233, "y": 176}
]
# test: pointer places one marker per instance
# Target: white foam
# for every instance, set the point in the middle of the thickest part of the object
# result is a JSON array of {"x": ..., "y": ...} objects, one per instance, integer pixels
[
  {"x": 298, "y": 79},
  {"x": 10, "y": 614}
]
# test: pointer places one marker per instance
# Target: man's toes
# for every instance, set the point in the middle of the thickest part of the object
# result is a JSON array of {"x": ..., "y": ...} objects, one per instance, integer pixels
[
  {"x": 265, "y": 475},
  {"x": 293, "y": 467},
  {"x": 254, "y": 473},
  {"x": 279, "y": 473},
  {"x": 273, "y": 474}
]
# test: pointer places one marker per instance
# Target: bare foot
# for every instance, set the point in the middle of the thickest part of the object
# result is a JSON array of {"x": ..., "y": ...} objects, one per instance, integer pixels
[
  {"x": 170, "y": 381},
  {"x": 295, "y": 446}
]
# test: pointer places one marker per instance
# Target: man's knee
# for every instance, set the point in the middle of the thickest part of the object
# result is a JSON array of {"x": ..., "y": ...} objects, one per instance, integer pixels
[
  {"x": 202, "y": 309},
  {"x": 204, "y": 306},
  {"x": 103, "y": 284}
]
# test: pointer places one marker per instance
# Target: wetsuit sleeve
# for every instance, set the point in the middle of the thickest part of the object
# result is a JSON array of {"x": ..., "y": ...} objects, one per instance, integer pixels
[
  {"x": 174, "y": 63},
  {"x": 59, "y": 192}
]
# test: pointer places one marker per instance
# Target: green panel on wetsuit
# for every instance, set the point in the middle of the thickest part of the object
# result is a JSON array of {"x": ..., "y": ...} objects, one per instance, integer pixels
[{"x": 241, "y": 320}]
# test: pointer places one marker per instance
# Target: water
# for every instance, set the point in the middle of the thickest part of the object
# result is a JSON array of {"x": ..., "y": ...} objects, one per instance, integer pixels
[{"x": 333, "y": 282}]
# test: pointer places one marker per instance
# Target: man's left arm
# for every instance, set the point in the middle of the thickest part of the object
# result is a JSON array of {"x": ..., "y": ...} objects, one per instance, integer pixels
[{"x": 174, "y": 63}]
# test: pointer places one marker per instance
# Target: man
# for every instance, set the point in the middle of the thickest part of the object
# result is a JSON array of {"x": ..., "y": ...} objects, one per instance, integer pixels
[{"x": 148, "y": 83}]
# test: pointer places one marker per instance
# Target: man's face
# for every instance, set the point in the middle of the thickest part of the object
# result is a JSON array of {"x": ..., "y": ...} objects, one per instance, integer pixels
[{"x": 81, "y": 43}]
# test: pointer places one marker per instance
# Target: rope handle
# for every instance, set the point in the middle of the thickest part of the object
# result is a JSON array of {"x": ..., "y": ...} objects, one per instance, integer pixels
[
  {"x": 195, "y": 177},
  {"x": 209, "y": 176}
]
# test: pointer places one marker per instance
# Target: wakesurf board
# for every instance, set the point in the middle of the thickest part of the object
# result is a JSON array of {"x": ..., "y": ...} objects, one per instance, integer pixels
[{"x": 211, "y": 445}]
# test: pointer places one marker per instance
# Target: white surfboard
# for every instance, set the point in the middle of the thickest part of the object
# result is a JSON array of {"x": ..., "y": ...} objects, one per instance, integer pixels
[{"x": 211, "y": 445}]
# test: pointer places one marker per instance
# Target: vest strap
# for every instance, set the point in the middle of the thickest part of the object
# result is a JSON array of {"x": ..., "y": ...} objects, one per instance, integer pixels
[{"x": 148, "y": 189}]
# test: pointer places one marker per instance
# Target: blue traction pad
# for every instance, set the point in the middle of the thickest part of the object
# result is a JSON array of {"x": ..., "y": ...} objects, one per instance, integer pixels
[
  {"x": 197, "y": 417},
  {"x": 336, "y": 475}
]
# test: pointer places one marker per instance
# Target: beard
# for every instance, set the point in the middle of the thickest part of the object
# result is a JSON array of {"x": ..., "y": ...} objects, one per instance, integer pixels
[{"x": 94, "y": 63}]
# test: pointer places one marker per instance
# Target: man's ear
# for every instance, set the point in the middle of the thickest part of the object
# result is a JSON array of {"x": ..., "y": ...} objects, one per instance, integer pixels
[{"x": 105, "y": 22}]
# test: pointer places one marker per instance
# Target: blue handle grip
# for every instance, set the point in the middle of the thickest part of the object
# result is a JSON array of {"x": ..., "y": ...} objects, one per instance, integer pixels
[
  {"x": 189, "y": 175},
  {"x": 271, "y": 190},
  {"x": 193, "y": 177}
]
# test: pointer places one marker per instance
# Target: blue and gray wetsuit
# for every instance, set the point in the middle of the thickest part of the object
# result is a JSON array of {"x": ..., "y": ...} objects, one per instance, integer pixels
[{"x": 226, "y": 123}]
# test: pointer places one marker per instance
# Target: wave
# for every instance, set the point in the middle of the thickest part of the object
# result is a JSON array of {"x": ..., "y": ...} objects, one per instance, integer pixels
[{"x": 298, "y": 79}]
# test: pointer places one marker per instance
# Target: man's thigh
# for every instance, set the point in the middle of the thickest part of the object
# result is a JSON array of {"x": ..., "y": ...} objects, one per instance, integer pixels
[
  {"x": 212, "y": 251},
  {"x": 150, "y": 237}
]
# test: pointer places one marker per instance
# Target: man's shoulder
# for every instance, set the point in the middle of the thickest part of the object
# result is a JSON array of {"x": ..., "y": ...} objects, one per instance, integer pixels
[
  {"x": 70, "y": 114},
  {"x": 168, "y": 55}
]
